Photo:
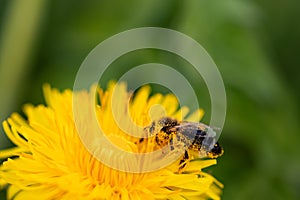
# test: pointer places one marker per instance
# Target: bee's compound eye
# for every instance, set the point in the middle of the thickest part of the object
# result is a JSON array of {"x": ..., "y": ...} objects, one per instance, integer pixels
[{"x": 217, "y": 150}]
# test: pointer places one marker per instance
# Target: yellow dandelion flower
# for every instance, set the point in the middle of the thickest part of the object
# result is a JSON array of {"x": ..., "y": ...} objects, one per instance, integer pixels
[{"x": 50, "y": 160}]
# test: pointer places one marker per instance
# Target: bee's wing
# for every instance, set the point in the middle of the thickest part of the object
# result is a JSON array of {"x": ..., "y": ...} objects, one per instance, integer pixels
[
  {"x": 189, "y": 129},
  {"x": 212, "y": 130},
  {"x": 198, "y": 131},
  {"x": 198, "y": 124}
]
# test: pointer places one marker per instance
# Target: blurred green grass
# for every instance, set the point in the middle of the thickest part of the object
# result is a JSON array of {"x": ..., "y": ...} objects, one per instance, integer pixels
[{"x": 255, "y": 44}]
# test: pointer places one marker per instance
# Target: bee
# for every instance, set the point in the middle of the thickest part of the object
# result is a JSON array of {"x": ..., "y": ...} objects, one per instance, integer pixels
[{"x": 196, "y": 138}]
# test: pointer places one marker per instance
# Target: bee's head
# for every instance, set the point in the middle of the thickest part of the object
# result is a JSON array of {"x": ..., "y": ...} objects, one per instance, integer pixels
[{"x": 216, "y": 151}]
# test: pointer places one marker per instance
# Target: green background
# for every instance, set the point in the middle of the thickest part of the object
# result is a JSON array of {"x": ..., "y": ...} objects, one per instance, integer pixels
[{"x": 255, "y": 45}]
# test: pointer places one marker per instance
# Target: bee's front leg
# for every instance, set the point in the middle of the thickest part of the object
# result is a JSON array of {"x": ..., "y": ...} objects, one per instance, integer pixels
[{"x": 184, "y": 160}]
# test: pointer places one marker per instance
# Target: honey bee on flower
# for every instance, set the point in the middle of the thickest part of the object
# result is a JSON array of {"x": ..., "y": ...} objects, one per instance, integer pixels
[{"x": 197, "y": 139}]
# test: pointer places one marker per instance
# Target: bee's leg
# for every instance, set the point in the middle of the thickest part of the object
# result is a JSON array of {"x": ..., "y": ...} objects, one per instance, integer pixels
[{"x": 183, "y": 161}]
